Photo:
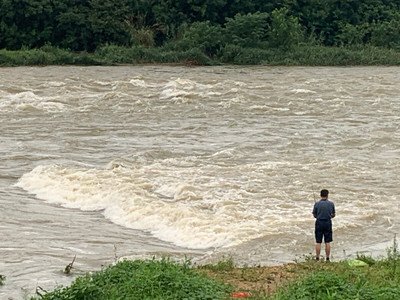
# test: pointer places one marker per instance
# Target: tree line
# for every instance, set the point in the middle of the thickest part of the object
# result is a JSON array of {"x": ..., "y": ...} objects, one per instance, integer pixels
[{"x": 209, "y": 25}]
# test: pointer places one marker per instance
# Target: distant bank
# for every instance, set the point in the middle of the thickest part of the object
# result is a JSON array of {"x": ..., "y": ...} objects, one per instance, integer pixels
[{"x": 302, "y": 55}]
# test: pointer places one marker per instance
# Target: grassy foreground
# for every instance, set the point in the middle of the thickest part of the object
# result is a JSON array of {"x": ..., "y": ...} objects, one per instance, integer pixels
[
  {"x": 301, "y": 55},
  {"x": 375, "y": 279},
  {"x": 165, "y": 279}
]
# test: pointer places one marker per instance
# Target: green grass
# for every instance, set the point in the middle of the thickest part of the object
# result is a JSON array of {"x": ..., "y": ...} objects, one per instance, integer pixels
[
  {"x": 377, "y": 279},
  {"x": 223, "y": 265},
  {"x": 309, "y": 55},
  {"x": 148, "y": 279},
  {"x": 144, "y": 55},
  {"x": 302, "y": 55},
  {"x": 165, "y": 279},
  {"x": 47, "y": 55},
  {"x": 340, "y": 281},
  {"x": 2, "y": 279}
]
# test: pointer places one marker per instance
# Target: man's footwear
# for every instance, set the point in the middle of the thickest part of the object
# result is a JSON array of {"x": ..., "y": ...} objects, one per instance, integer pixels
[
  {"x": 317, "y": 258},
  {"x": 327, "y": 259}
]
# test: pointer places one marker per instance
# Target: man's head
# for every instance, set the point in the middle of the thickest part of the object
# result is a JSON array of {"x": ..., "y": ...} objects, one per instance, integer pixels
[{"x": 324, "y": 193}]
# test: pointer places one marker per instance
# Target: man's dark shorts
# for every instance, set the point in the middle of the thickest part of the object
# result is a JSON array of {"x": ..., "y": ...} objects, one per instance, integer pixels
[{"x": 323, "y": 229}]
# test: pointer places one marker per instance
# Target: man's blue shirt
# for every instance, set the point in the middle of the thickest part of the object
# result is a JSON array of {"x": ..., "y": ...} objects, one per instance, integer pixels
[{"x": 324, "y": 210}]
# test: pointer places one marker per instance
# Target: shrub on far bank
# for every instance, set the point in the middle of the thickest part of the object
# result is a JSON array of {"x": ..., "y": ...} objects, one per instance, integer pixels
[
  {"x": 126, "y": 55},
  {"x": 46, "y": 55},
  {"x": 143, "y": 55},
  {"x": 200, "y": 35},
  {"x": 342, "y": 56},
  {"x": 246, "y": 56},
  {"x": 191, "y": 57},
  {"x": 305, "y": 55}
]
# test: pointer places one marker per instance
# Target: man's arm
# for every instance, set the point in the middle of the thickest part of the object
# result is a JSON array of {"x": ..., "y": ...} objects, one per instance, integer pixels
[
  {"x": 333, "y": 214},
  {"x": 314, "y": 212}
]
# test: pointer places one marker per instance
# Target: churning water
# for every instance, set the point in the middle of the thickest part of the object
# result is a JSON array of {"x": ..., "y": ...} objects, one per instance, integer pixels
[{"x": 109, "y": 162}]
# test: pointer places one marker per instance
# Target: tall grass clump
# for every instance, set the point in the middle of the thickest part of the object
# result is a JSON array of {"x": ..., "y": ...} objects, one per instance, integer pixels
[
  {"x": 149, "y": 279},
  {"x": 226, "y": 264},
  {"x": 393, "y": 259}
]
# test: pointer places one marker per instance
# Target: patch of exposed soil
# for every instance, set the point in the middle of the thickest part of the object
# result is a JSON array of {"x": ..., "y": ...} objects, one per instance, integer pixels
[{"x": 262, "y": 280}]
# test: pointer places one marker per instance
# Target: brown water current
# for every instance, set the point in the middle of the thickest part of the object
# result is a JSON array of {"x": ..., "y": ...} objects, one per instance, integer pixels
[{"x": 142, "y": 161}]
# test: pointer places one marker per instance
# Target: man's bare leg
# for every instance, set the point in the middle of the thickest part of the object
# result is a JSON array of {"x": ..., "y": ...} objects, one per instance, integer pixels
[
  {"x": 327, "y": 250},
  {"x": 317, "y": 250}
]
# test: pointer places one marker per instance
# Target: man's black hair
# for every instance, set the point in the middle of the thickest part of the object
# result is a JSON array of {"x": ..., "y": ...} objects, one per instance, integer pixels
[{"x": 324, "y": 193}]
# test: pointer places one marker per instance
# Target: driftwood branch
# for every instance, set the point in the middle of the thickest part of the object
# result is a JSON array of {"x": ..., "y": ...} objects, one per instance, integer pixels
[
  {"x": 39, "y": 291},
  {"x": 68, "y": 268}
]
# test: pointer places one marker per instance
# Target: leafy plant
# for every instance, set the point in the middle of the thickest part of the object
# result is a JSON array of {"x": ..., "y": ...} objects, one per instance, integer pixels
[
  {"x": 387, "y": 33},
  {"x": 201, "y": 35},
  {"x": 350, "y": 34},
  {"x": 143, "y": 36},
  {"x": 285, "y": 30},
  {"x": 248, "y": 30}
]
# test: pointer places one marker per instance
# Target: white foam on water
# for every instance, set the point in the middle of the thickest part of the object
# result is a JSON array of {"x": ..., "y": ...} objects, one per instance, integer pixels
[
  {"x": 26, "y": 101},
  {"x": 53, "y": 84},
  {"x": 183, "y": 90},
  {"x": 102, "y": 83},
  {"x": 139, "y": 83},
  {"x": 303, "y": 91},
  {"x": 113, "y": 96},
  {"x": 125, "y": 199},
  {"x": 198, "y": 211}
]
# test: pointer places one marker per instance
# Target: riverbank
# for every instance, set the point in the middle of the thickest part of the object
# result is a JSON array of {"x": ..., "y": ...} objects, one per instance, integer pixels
[
  {"x": 361, "y": 278},
  {"x": 235, "y": 55}
]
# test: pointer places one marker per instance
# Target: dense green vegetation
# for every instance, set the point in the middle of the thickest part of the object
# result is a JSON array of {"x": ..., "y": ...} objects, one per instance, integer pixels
[
  {"x": 202, "y": 32},
  {"x": 115, "y": 55},
  {"x": 153, "y": 279}
]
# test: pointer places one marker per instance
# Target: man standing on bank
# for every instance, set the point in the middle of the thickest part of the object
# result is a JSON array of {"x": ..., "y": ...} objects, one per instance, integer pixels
[{"x": 324, "y": 211}]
